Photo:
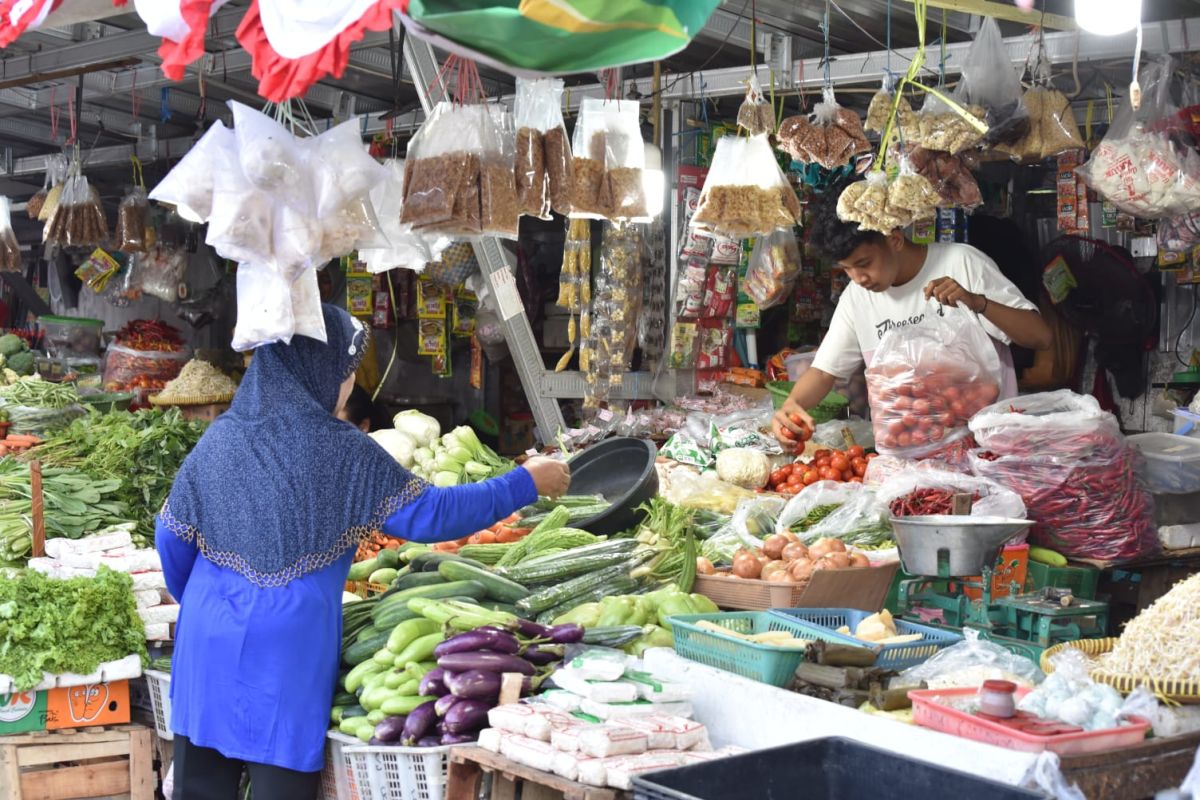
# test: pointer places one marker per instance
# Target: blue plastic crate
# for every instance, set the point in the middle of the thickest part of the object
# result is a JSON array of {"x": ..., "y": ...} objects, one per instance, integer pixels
[
  {"x": 891, "y": 656},
  {"x": 760, "y": 662}
]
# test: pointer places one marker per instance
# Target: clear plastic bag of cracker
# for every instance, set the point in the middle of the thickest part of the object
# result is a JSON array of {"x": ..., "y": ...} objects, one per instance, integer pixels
[
  {"x": 745, "y": 193},
  {"x": 589, "y": 199},
  {"x": 990, "y": 82},
  {"x": 441, "y": 173},
  {"x": 1052, "y": 127},
  {"x": 625, "y": 161},
  {"x": 941, "y": 127},
  {"x": 543, "y": 152},
  {"x": 271, "y": 158},
  {"x": 189, "y": 186},
  {"x": 756, "y": 115},
  {"x": 10, "y": 250},
  {"x": 56, "y": 173},
  {"x": 132, "y": 221},
  {"x": 498, "y": 202}
]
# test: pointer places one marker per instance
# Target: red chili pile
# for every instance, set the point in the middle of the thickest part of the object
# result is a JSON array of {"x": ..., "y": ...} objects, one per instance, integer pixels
[
  {"x": 910, "y": 411},
  {"x": 925, "y": 502},
  {"x": 150, "y": 335}
]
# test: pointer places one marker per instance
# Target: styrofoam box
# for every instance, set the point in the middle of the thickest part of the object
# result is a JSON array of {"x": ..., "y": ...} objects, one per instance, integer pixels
[{"x": 1172, "y": 462}]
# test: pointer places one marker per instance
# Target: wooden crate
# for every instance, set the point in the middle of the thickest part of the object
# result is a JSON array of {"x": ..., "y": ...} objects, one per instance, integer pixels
[
  {"x": 83, "y": 763},
  {"x": 470, "y": 766}
]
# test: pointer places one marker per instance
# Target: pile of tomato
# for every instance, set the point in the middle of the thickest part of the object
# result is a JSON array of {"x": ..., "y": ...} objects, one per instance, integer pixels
[{"x": 842, "y": 466}]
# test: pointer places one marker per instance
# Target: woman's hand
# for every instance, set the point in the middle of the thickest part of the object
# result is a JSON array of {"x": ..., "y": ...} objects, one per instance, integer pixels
[
  {"x": 790, "y": 434},
  {"x": 551, "y": 477}
]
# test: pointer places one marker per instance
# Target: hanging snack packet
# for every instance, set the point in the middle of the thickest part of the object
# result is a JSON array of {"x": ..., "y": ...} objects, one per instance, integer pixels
[
  {"x": 543, "y": 153},
  {"x": 132, "y": 221},
  {"x": 439, "y": 167},
  {"x": 832, "y": 137},
  {"x": 756, "y": 115},
  {"x": 56, "y": 173},
  {"x": 990, "y": 82},
  {"x": 78, "y": 220},
  {"x": 774, "y": 265},
  {"x": 1052, "y": 128},
  {"x": 10, "y": 251},
  {"x": 189, "y": 185},
  {"x": 745, "y": 193},
  {"x": 609, "y": 158},
  {"x": 264, "y": 308},
  {"x": 499, "y": 205}
]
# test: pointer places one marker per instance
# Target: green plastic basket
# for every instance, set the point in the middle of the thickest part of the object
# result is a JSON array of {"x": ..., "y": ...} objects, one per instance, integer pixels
[
  {"x": 830, "y": 408},
  {"x": 760, "y": 662},
  {"x": 1080, "y": 580}
]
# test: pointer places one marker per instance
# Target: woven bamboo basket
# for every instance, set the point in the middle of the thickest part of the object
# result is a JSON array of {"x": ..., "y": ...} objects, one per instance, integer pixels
[{"x": 1175, "y": 691}]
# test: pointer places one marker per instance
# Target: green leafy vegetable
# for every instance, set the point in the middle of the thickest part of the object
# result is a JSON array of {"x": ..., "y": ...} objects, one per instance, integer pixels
[{"x": 74, "y": 625}]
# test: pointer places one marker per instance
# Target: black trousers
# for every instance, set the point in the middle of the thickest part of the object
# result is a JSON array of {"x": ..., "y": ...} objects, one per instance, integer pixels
[{"x": 202, "y": 773}]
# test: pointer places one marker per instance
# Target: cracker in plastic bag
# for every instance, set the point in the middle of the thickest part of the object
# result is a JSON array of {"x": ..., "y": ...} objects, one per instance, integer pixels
[
  {"x": 832, "y": 137},
  {"x": 774, "y": 265},
  {"x": 132, "y": 221},
  {"x": 543, "y": 153},
  {"x": 189, "y": 184},
  {"x": 405, "y": 247},
  {"x": 443, "y": 160},
  {"x": 264, "y": 308},
  {"x": 342, "y": 169},
  {"x": 745, "y": 193},
  {"x": 240, "y": 225},
  {"x": 56, "y": 173},
  {"x": 755, "y": 114},
  {"x": 272, "y": 159},
  {"x": 78, "y": 219},
  {"x": 10, "y": 251},
  {"x": 498, "y": 202}
]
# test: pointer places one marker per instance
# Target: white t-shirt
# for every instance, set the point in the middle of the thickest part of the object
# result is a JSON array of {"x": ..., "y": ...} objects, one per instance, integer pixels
[{"x": 862, "y": 317}]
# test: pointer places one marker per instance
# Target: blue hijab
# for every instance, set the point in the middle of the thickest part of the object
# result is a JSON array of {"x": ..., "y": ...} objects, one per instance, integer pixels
[{"x": 277, "y": 487}]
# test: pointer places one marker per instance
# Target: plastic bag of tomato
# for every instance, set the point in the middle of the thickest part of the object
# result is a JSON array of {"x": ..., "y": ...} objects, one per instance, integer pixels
[
  {"x": 847, "y": 466},
  {"x": 927, "y": 380}
]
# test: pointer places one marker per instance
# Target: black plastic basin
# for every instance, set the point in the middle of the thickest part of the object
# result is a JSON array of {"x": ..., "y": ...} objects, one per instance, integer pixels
[{"x": 622, "y": 470}]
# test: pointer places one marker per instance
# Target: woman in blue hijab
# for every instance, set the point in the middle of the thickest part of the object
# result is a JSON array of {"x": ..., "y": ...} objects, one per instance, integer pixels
[{"x": 256, "y": 539}]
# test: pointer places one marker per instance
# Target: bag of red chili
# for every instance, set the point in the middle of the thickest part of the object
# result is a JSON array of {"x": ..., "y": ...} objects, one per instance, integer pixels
[
  {"x": 1075, "y": 471},
  {"x": 141, "y": 371},
  {"x": 923, "y": 489},
  {"x": 926, "y": 381}
]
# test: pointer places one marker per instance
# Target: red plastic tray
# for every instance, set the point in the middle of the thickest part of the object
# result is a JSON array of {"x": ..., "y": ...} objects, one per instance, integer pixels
[{"x": 930, "y": 713}]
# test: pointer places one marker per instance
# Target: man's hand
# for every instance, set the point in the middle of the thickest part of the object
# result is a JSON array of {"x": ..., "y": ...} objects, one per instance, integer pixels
[
  {"x": 551, "y": 477},
  {"x": 790, "y": 433},
  {"x": 947, "y": 292}
]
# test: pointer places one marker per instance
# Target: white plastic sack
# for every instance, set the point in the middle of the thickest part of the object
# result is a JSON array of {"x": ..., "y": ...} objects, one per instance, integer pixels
[
  {"x": 862, "y": 518},
  {"x": 1059, "y": 423},
  {"x": 264, "y": 308},
  {"x": 995, "y": 500},
  {"x": 272, "y": 159},
  {"x": 189, "y": 184},
  {"x": 406, "y": 248}
]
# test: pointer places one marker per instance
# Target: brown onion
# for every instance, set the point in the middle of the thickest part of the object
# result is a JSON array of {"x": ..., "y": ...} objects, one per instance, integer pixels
[
  {"x": 774, "y": 545},
  {"x": 746, "y": 566},
  {"x": 704, "y": 566},
  {"x": 795, "y": 550}
]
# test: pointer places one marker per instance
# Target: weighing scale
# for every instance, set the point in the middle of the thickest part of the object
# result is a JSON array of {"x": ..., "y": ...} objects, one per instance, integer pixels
[{"x": 948, "y": 551}]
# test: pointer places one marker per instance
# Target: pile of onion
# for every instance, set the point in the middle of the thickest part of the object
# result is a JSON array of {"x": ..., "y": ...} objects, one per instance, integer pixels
[{"x": 785, "y": 558}]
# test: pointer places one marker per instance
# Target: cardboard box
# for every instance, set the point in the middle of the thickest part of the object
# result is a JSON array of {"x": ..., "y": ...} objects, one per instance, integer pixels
[
  {"x": 67, "y": 707},
  {"x": 864, "y": 588}
]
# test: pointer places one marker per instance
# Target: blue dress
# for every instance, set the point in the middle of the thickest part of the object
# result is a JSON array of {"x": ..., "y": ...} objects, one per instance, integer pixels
[{"x": 254, "y": 669}]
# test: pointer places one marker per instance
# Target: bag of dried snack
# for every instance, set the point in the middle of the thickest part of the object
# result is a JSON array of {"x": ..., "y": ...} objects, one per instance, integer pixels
[
  {"x": 264, "y": 308},
  {"x": 240, "y": 220},
  {"x": 189, "y": 185},
  {"x": 989, "y": 80},
  {"x": 941, "y": 127},
  {"x": 543, "y": 152},
  {"x": 756, "y": 115},
  {"x": 405, "y": 247},
  {"x": 949, "y": 175},
  {"x": 133, "y": 217},
  {"x": 342, "y": 171},
  {"x": 500, "y": 210},
  {"x": 831, "y": 137},
  {"x": 10, "y": 251},
  {"x": 774, "y": 265},
  {"x": 913, "y": 193},
  {"x": 442, "y": 172},
  {"x": 272, "y": 159},
  {"x": 1136, "y": 167},
  {"x": 745, "y": 193},
  {"x": 78, "y": 220},
  {"x": 609, "y": 159},
  {"x": 56, "y": 172},
  {"x": 1052, "y": 128}
]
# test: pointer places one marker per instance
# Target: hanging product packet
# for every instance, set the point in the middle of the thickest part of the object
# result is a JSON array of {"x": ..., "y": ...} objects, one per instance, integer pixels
[
  {"x": 949, "y": 175},
  {"x": 1052, "y": 127},
  {"x": 543, "y": 164},
  {"x": 609, "y": 160},
  {"x": 133, "y": 216},
  {"x": 926, "y": 380},
  {"x": 10, "y": 250},
  {"x": 500, "y": 209},
  {"x": 78, "y": 219},
  {"x": 272, "y": 309},
  {"x": 56, "y": 173},
  {"x": 989, "y": 82},
  {"x": 161, "y": 272},
  {"x": 832, "y": 137},
  {"x": 745, "y": 193},
  {"x": 272, "y": 159},
  {"x": 755, "y": 115},
  {"x": 1138, "y": 167},
  {"x": 240, "y": 220},
  {"x": 189, "y": 186},
  {"x": 774, "y": 266},
  {"x": 406, "y": 248}
]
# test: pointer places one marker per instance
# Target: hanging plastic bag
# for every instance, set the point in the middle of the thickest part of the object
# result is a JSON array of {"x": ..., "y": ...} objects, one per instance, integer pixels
[
  {"x": 1052, "y": 127},
  {"x": 755, "y": 114},
  {"x": 949, "y": 175},
  {"x": 941, "y": 127},
  {"x": 406, "y": 248},
  {"x": 272, "y": 159},
  {"x": 991, "y": 498},
  {"x": 500, "y": 208},
  {"x": 132, "y": 221},
  {"x": 543, "y": 154},
  {"x": 10, "y": 250},
  {"x": 609, "y": 158},
  {"x": 126, "y": 288},
  {"x": 926, "y": 381},
  {"x": 78, "y": 219},
  {"x": 869, "y": 203},
  {"x": 56, "y": 173},
  {"x": 1179, "y": 234},
  {"x": 832, "y": 137},
  {"x": 189, "y": 185},
  {"x": 989, "y": 81},
  {"x": 162, "y": 271},
  {"x": 745, "y": 193},
  {"x": 441, "y": 180},
  {"x": 240, "y": 221},
  {"x": 307, "y": 317},
  {"x": 857, "y": 516},
  {"x": 342, "y": 169},
  {"x": 1138, "y": 168},
  {"x": 968, "y": 664},
  {"x": 264, "y": 308},
  {"x": 1059, "y": 423},
  {"x": 774, "y": 265}
]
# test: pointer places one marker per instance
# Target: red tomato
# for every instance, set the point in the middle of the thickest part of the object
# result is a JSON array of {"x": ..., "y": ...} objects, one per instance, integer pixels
[
  {"x": 903, "y": 403},
  {"x": 951, "y": 393},
  {"x": 840, "y": 463},
  {"x": 919, "y": 437},
  {"x": 859, "y": 465},
  {"x": 909, "y": 420},
  {"x": 958, "y": 410},
  {"x": 821, "y": 463},
  {"x": 855, "y": 479},
  {"x": 904, "y": 439},
  {"x": 811, "y": 477},
  {"x": 872, "y": 456},
  {"x": 918, "y": 388},
  {"x": 946, "y": 419},
  {"x": 936, "y": 433},
  {"x": 805, "y": 433},
  {"x": 787, "y": 434},
  {"x": 937, "y": 404},
  {"x": 921, "y": 407},
  {"x": 847, "y": 474},
  {"x": 904, "y": 390},
  {"x": 990, "y": 392},
  {"x": 830, "y": 474},
  {"x": 856, "y": 451},
  {"x": 796, "y": 480},
  {"x": 822, "y": 454},
  {"x": 780, "y": 475},
  {"x": 895, "y": 427}
]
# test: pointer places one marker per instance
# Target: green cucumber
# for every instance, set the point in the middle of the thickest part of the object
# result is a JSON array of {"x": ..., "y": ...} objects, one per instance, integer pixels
[
  {"x": 359, "y": 652},
  {"x": 498, "y": 588},
  {"x": 350, "y": 725},
  {"x": 382, "y": 656},
  {"x": 415, "y": 579},
  {"x": 419, "y": 649},
  {"x": 556, "y": 568},
  {"x": 394, "y": 678},
  {"x": 428, "y": 562},
  {"x": 361, "y": 569},
  {"x": 377, "y": 716},
  {"x": 441, "y": 591},
  {"x": 373, "y": 698},
  {"x": 403, "y": 704},
  {"x": 408, "y": 632},
  {"x": 409, "y": 688},
  {"x": 366, "y": 633},
  {"x": 559, "y": 594},
  {"x": 388, "y": 559},
  {"x": 382, "y": 577},
  {"x": 344, "y": 699},
  {"x": 355, "y": 677}
]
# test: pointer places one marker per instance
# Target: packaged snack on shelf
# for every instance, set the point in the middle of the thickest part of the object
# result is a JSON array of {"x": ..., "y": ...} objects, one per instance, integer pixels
[
  {"x": 989, "y": 81},
  {"x": 725, "y": 251},
  {"x": 695, "y": 244},
  {"x": 10, "y": 250},
  {"x": 161, "y": 272},
  {"x": 745, "y": 193},
  {"x": 719, "y": 291},
  {"x": 689, "y": 291},
  {"x": 755, "y": 114},
  {"x": 927, "y": 380},
  {"x": 832, "y": 137},
  {"x": 714, "y": 347},
  {"x": 683, "y": 345},
  {"x": 1139, "y": 169}
]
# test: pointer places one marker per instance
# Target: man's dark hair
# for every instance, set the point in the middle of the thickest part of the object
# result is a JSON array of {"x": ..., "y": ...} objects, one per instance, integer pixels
[
  {"x": 359, "y": 407},
  {"x": 828, "y": 235}
]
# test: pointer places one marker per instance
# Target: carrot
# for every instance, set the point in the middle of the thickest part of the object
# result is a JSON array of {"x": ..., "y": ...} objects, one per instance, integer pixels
[
  {"x": 22, "y": 439},
  {"x": 508, "y": 535},
  {"x": 392, "y": 544},
  {"x": 488, "y": 537}
]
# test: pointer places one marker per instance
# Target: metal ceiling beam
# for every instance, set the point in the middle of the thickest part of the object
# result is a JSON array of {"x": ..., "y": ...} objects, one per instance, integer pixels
[
  {"x": 113, "y": 155},
  {"x": 1005, "y": 11}
]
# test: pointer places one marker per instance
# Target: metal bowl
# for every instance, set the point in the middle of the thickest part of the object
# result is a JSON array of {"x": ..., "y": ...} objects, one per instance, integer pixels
[{"x": 952, "y": 546}]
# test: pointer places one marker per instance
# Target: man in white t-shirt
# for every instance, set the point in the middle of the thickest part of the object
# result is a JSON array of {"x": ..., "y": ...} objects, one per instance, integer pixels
[{"x": 895, "y": 283}]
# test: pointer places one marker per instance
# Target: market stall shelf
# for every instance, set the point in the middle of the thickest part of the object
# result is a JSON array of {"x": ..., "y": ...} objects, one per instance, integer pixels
[
  {"x": 470, "y": 765},
  {"x": 119, "y": 761}
]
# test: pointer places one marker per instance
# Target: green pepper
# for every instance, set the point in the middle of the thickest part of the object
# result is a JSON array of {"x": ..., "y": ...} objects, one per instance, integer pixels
[
  {"x": 587, "y": 615},
  {"x": 615, "y": 611},
  {"x": 703, "y": 605},
  {"x": 674, "y": 606},
  {"x": 643, "y": 612},
  {"x": 657, "y": 637}
]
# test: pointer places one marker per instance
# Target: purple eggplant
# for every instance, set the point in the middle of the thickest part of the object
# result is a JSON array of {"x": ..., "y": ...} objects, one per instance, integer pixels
[
  {"x": 546, "y": 654},
  {"x": 430, "y": 741},
  {"x": 532, "y": 630},
  {"x": 485, "y": 660},
  {"x": 474, "y": 684},
  {"x": 375, "y": 741},
  {"x": 566, "y": 634},
  {"x": 467, "y": 715},
  {"x": 496, "y": 641},
  {"x": 418, "y": 723},
  {"x": 390, "y": 730},
  {"x": 432, "y": 684},
  {"x": 459, "y": 738},
  {"x": 443, "y": 704}
]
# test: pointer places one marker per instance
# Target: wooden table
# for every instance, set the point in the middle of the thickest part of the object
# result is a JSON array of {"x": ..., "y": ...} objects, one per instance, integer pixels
[
  {"x": 111, "y": 761},
  {"x": 470, "y": 765}
]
